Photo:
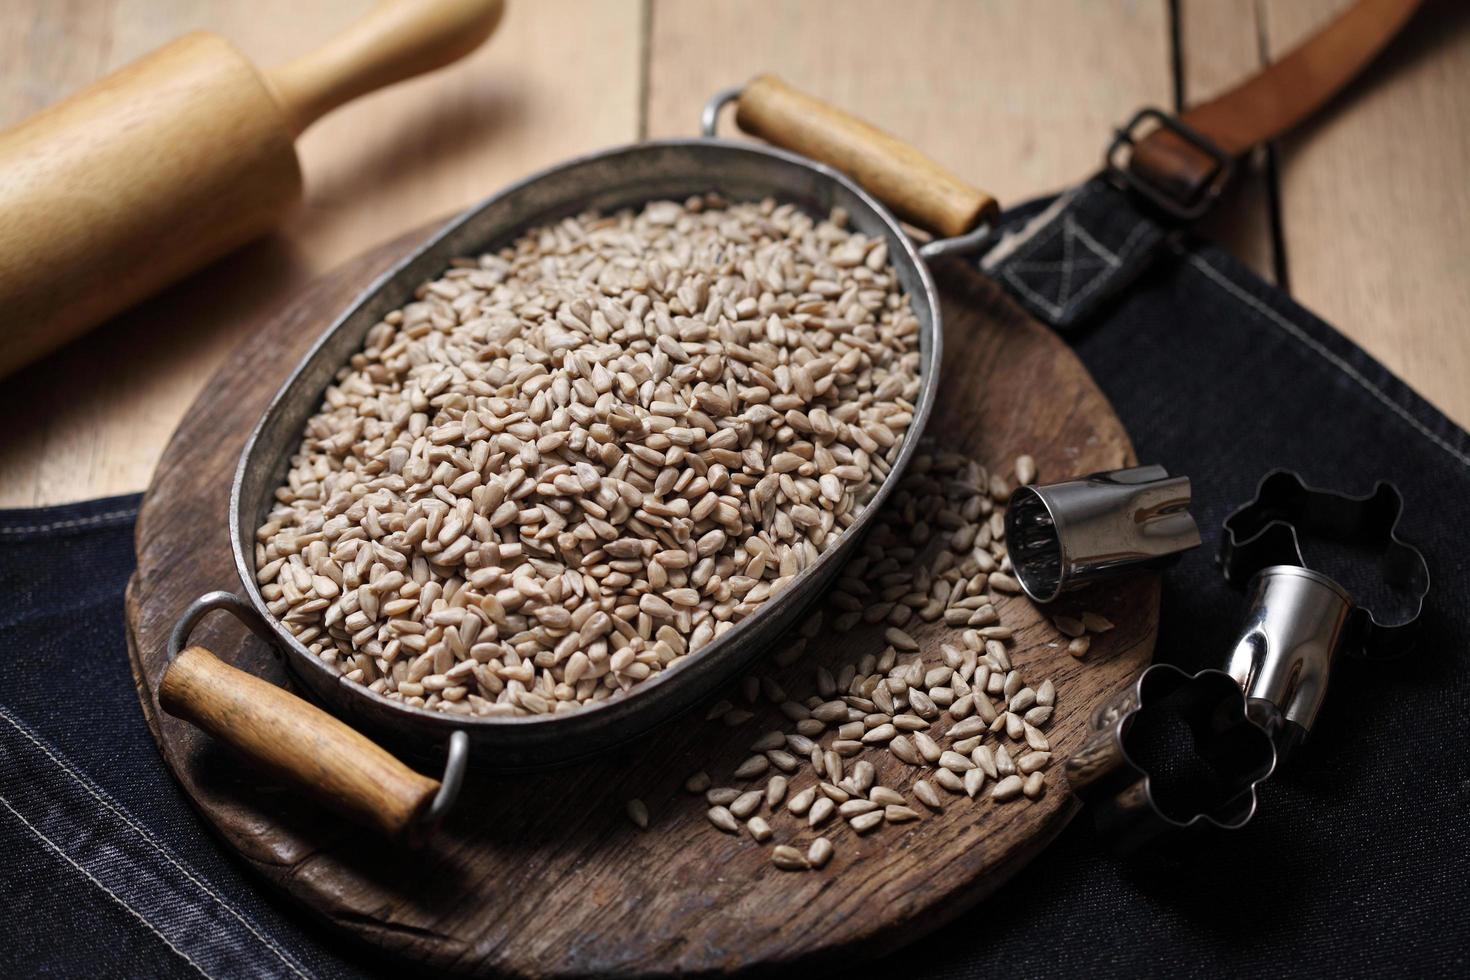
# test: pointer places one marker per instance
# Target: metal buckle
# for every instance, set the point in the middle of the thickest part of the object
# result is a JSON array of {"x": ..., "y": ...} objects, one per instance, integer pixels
[{"x": 1164, "y": 198}]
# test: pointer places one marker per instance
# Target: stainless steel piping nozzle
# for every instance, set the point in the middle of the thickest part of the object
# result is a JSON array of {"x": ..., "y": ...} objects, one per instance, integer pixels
[{"x": 1064, "y": 535}]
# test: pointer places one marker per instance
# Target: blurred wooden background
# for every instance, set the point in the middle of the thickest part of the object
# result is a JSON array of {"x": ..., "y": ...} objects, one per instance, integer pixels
[{"x": 1361, "y": 215}]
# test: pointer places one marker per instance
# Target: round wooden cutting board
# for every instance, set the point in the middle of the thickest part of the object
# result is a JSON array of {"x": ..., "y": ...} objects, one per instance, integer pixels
[{"x": 544, "y": 875}]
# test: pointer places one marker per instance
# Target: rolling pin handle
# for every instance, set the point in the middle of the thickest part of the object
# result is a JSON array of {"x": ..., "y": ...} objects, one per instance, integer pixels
[{"x": 398, "y": 39}]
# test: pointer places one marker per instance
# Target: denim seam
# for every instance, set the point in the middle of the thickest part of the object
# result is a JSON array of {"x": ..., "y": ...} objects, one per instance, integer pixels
[
  {"x": 1069, "y": 251},
  {"x": 77, "y": 522},
  {"x": 1052, "y": 310},
  {"x": 1098, "y": 281},
  {"x": 1070, "y": 229},
  {"x": 110, "y": 893},
  {"x": 147, "y": 836},
  {"x": 1312, "y": 344}
]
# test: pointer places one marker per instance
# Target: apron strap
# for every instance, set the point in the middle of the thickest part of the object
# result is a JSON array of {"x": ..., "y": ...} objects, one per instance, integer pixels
[{"x": 1182, "y": 164}]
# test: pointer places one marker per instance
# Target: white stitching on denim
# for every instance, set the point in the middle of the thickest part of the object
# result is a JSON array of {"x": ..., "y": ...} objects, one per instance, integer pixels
[
  {"x": 1115, "y": 260},
  {"x": 1052, "y": 310},
  {"x": 1080, "y": 232},
  {"x": 1312, "y": 344},
  {"x": 1056, "y": 266},
  {"x": 1099, "y": 281},
  {"x": 1069, "y": 248},
  {"x": 78, "y": 522},
  {"x": 147, "y": 835},
  {"x": 94, "y": 880},
  {"x": 1142, "y": 226}
]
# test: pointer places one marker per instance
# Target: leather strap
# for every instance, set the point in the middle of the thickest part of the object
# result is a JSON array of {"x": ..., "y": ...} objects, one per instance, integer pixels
[{"x": 1179, "y": 167}]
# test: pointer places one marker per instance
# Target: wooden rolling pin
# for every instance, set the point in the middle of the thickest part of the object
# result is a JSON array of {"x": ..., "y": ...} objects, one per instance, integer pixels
[{"x": 163, "y": 167}]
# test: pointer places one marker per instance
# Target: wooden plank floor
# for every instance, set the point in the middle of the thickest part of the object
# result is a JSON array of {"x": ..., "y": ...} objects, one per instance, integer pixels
[{"x": 1361, "y": 215}]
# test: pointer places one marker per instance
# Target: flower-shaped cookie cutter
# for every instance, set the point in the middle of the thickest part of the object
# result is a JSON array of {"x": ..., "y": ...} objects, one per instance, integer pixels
[
  {"x": 1142, "y": 781},
  {"x": 1299, "y": 620}
]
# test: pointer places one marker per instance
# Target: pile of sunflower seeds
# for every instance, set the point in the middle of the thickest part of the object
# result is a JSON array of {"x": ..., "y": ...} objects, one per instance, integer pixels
[
  {"x": 568, "y": 464},
  {"x": 966, "y": 721}
]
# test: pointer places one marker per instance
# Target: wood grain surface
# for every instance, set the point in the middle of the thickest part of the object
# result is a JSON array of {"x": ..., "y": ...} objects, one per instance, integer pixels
[
  {"x": 1015, "y": 96},
  {"x": 543, "y": 875}
]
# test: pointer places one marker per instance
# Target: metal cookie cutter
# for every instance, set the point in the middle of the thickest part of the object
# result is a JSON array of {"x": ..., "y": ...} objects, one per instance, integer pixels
[
  {"x": 1299, "y": 620},
  {"x": 1171, "y": 752},
  {"x": 1136, "y": 769},
  {"x": 1064, "y": 535}
]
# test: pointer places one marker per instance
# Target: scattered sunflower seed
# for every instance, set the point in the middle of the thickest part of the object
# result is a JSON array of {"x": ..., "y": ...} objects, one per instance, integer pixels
[
  {"x": 886, "y": 797},
  {"x": 926, "y": 795},
  {"x": 722, "y": 818},
  {"x": 799, "y": 804},
  {"x": 788, "y": 858},
  {"x": 1068, "y": 625},
  {"x": 638, "y": 813},
  {"x": 746, "y": 803},
  {"x": 1007, "y": 789}
]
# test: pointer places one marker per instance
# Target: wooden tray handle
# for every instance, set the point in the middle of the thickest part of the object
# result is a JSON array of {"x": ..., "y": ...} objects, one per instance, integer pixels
[
  {"x": 918, "y": 190},
  {"x": 396, "y": 40},
  {"x": 297, "y": 742}
]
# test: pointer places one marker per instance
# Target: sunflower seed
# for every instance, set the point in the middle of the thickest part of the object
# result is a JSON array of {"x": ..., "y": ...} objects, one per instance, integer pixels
[
  {"x": 819, "y": 853},
  {"x": 1032, "y": 761},
  {"x": 746, "y": 803},
  {"x": 759, "y": 829},
  {"x": 802, "y": 801},
  {"x": 900, "y": 640},
  {"x": 866, "y": 821},
  {"x": 926, "y": 795},
  {"x": 723, "y": 819},
  {"x": 886, "y": 797},
  {"x": 821, "y": 812},
  {"x": 903, "y": 750},
  {"x": 775, "y": 791},
  {"x": 1068, "y": 625},
  {"x": 1034, "y": 785},
  {"x": 928, "y": 748},
  {"x": 883, "y": 733},
  {"x": 788, "y": 858},
  {"x": 638, "y": 813},
  {"x": 1007, "y": 789},
  {"x": 950, "y": 780}
]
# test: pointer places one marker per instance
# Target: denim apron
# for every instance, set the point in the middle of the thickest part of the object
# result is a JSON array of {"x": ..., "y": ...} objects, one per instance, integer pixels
[{"x": 1356, "y": 864}]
